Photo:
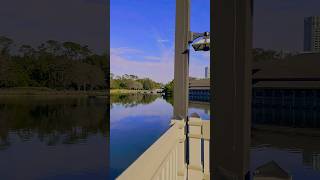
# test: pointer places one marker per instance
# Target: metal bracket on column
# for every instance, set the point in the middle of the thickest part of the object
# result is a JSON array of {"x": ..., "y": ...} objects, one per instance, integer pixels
[{"x": 195, "y": 35}]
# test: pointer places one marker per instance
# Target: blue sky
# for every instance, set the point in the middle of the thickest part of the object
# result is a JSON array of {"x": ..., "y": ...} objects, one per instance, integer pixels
[
  {"x": 35, "y": 21},
  {"x": 142, "y": 37}
]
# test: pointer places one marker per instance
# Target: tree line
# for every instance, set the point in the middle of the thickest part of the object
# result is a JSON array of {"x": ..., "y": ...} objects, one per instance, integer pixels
[
  {"x": 132, "y": 82},
  {"x": 52, "y": 64},
  {"x": 259, "y": 54}
]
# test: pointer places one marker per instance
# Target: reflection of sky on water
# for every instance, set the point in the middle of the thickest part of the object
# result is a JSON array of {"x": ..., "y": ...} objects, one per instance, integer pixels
[
  {"x": 290, "y": 160},
  {"x": 157, "y": 108},
  {"x": 33, "y": 159},
  {"x": 53, "y": 138},
  {"x": 134, "y": 129}
]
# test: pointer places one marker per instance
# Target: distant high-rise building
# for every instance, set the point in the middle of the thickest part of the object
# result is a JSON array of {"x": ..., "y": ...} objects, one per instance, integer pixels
[
  {"x": 312, "y": 34},
  {"x": 207, "y": 72}
]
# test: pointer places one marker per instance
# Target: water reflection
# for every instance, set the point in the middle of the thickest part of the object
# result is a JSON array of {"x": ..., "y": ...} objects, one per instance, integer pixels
[
  {"x": 137, "y": 121},
  {"x": 135, "y": 126},
  {"x": 297, "y": 154},
  {"x": 286, "y": 130},
  {"x": 63, "y": 137},
  {"x": 131, "y": 100}
]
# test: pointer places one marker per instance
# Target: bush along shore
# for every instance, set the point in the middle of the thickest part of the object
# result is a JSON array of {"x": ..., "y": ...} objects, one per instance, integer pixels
[{"x": 24, "y": 91}]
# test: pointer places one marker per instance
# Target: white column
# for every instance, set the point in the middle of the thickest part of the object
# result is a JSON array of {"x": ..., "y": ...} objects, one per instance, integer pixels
[{"x": 181, "y": 59}]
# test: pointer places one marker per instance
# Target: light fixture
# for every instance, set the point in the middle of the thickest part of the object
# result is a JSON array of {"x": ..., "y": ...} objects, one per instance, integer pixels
[{"x": 201, "y": 45}]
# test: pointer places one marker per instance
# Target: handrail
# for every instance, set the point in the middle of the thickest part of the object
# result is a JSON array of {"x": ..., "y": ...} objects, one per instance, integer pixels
[
  {"x": 160, "y": 160},
  {"x": 165, "y": 159},
  {"x": 199, "y": 139}
]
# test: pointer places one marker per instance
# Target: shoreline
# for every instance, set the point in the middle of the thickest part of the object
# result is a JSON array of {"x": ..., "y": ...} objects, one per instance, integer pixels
[
  {"x": 35, "y": 91},
  {"x": 41, "y": 91},
  {"x": 127, "y": 91}
]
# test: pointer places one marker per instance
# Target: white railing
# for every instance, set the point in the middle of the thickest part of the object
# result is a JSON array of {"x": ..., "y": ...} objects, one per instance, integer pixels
[
  {"x": 199, "y": 133},
  {"x": 166, "y": 158}
]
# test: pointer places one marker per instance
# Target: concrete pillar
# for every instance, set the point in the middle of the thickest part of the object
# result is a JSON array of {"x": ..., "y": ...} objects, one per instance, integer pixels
[
  {"x": 195, "y": 168},
  {"x": 230, "y": 88},
  {"x": 181, "y": 61}
]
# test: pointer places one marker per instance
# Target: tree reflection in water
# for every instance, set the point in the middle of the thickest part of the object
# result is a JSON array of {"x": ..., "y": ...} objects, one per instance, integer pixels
[
  {"x": 53, "y": 120},
  {"x": 131, "y": 100}
]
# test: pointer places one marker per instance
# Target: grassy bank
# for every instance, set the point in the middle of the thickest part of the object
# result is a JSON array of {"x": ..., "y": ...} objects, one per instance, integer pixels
[{"x": 47, "y": 91}]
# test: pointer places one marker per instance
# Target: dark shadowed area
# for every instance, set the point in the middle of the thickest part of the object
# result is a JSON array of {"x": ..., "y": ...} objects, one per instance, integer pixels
[
  {"x": 279, "y": 25},
  {"x": 52, "y": 53},
  {"x": 35, "y": 21}
]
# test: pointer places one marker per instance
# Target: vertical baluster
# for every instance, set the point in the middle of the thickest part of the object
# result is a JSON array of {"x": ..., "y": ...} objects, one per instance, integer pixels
[
  {"x": 157, "y": 176},
  {"x": 170, "y": 165},
  {"x": 206, "y": 146},
  {"x": 195, "y": 169},
  {"x": 181, "y": 151},
  {"x": 175, "y": 164},
  {"x": 163, "y": 173},
  {"x": 168, "y": 168}
]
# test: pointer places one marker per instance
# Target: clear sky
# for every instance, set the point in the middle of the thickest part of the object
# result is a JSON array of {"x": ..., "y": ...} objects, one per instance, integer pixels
[
  {"x": 36, "y": 21},
  {"x": 279, "y": 24},
  {"x": 142, "y": 37},
  {"x": 142, "y": 31}
]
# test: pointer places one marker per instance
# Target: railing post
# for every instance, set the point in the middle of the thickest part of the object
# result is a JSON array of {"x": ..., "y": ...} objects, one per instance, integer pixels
[
  {"x": 181, "y": 59},
  {"x": 206, "y": 146},
  {"x": 181, "y": 162},
  {"x": 195, "y": 168}
]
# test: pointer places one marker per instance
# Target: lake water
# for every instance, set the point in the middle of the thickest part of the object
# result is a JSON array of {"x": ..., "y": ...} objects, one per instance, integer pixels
[
  {"x": 67, "y": 137},
  {"x": 53, "y": 138},
  {"x": 138, "y": 121}
]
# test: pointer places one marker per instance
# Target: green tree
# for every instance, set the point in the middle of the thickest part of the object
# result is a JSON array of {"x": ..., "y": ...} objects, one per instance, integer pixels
[
  {"x": 168, "y": 88},
  {"x": 27, "y": 51},
  {"x": 5, "y": 44}
]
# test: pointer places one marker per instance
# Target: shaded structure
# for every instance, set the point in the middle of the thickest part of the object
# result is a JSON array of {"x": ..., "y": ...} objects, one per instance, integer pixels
[
  {"x": 297, "y": 72},
  {"x": 271, "y": 171},
  {"x": 231, "y": 88}
]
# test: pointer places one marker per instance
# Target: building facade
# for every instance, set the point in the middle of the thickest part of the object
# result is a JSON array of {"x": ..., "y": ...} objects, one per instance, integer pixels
[
  {"x": 312, "y": 34},
  {"x": 199, "y": 90}
]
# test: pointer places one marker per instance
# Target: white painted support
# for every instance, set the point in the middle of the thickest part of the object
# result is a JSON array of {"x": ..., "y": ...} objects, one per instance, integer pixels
[
  {"x": 165, "y": 159},
  {"x": 195, "y": 134},
  {"x": 182, "y": 167},
  {"x": 206, "y": 146},
  {"x": 155, "y": 162}
]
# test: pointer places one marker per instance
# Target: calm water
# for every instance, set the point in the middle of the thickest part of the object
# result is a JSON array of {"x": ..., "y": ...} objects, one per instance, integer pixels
[
  {"x": 138, "y": 121},
  {"x": 53, "y": 138},
  {"x": 67, "y": 137}
]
